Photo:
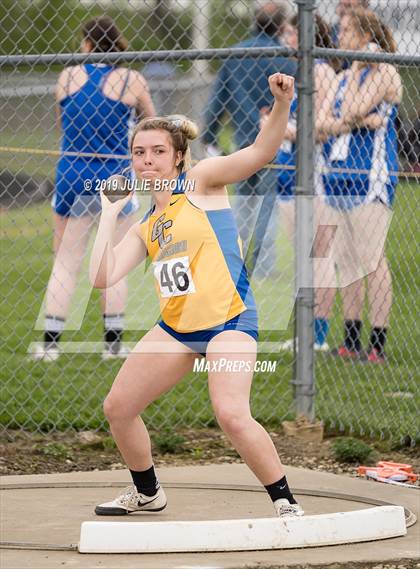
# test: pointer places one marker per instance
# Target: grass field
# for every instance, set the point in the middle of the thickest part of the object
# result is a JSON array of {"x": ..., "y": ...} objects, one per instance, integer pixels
[{"x": 365, "y": 399}]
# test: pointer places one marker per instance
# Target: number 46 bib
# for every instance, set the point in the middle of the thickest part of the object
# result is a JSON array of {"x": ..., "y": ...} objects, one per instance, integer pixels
[{"x": 174, "y": 277}]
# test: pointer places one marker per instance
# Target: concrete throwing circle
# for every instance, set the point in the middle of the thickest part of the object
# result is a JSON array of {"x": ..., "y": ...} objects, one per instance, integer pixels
[{"x": 48, "y": 515}]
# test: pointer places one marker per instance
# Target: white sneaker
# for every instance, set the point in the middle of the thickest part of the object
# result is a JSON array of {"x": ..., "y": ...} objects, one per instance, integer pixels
[
  {"x": 42, "y": 353},
  {"x": 132, "y": 501},
  {"x": 321, "y": 347},
  {"x": 285, "y": 509},
  {"x": 288, "y": 346},
  {"x": 109, "y": 354}
]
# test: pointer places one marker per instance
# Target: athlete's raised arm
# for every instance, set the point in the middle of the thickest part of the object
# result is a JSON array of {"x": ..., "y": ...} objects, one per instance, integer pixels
[{"x": 218, "y": 171}]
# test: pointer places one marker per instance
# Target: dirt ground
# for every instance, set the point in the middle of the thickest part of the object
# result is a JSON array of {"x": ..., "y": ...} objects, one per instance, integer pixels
[{"x": 28, "y": 453}]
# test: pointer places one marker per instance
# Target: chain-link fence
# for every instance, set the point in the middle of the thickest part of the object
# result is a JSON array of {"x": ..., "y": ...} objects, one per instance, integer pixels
[{"x": 355, "y": 314}]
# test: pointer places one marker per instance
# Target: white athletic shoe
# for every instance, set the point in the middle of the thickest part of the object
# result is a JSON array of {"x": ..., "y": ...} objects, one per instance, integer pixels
[
  {"x": 44, "y": 354},
  {"x": 109, "y": 354},
  {"x": 287, "y": 346},
  {"x": 321, "y": 347},
  {"x": 284, "y": 509},
  {"x": 132, "y": 501}
]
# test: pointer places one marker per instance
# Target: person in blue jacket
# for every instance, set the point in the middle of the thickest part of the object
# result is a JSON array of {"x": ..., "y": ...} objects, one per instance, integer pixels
[
  {"x": 241, "y": 91},
  {"x": 96, "y": 105},
  {"x": 325, "y": 80}
]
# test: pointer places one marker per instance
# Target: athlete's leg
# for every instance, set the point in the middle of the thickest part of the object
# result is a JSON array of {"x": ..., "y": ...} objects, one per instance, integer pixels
[
  {"x": 380, "y": 295},
  {"x": 229, "y": 394},
  {"x": 264, "y": 257},
  {"x": 113, "y": 299},
  {"x": 144, "y": 376},
  {"x": 70, "y": 239},
  {"x": 376, "y": 219},
  {"x": 348, "y": 259},
  {"x": 113, "y": 303},
  {"x": 371, "y": 228},
  {"x": 352, "y": 296},
  {"x": 287, "y": 218},
  {"x": 349, "y": 256},
  {"x": 324, "y": 268},
  {"x": 380, "y": 303},
  {"x": 324, "y": 271}
]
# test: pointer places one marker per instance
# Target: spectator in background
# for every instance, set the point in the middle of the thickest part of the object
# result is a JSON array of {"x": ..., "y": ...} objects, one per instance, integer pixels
[
  {"x": 342, "y": 7},
  {"x": 241, "y": 91},
  {"x": 409, "y": 138},
  {"x": 95, "y": 106},
  {"x": 325, "y": 87},
  {"x": 345, "y": 6},
  {"x": 361, "y": 180}
]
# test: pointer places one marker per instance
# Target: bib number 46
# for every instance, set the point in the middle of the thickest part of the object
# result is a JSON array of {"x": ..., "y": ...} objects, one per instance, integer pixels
[{"x": 174, "y": 277}]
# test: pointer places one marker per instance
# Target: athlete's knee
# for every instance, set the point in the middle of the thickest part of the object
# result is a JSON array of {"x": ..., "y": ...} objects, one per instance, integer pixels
[
  {"x": 66, "y": 266},
  {"x": 116, "y": 409},
  {"x": 232, "y": 420},
  {"x": 112, "y": 408}
]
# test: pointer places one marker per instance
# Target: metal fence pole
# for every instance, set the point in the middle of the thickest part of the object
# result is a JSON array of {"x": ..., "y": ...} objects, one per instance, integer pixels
[{"x": 304, "y": 369}]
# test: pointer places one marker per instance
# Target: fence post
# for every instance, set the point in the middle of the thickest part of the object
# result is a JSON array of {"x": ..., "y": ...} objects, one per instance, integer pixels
[{"x": 304, "y": 369}]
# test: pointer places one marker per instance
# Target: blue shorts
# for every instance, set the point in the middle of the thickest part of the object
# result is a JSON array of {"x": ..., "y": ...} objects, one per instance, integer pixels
[
  {"x": 71, "y": 198},
  {"x": 76, "y": 205},
  {"x": 198, "y": 341}
]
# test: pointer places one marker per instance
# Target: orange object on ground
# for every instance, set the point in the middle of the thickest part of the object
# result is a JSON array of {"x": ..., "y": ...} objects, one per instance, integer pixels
[
  {"x": 391, "y": 470},
  {"x": 399, "y": 465}
]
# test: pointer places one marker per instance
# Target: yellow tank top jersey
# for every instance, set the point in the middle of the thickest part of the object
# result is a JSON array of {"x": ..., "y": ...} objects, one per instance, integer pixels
[{"x": 198, "y": 265}]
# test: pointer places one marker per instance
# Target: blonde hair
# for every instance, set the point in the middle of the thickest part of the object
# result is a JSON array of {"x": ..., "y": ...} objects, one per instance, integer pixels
[
  {"x": 369, "y": 23},
  {"x": 181, "y": 130}
]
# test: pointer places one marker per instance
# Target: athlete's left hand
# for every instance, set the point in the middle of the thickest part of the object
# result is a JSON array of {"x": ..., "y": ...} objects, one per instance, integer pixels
[{"x": 282, "y": 87}]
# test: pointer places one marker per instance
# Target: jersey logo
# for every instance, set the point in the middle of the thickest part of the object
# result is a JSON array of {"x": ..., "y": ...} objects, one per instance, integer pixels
[{"x": 158, "y": 231}]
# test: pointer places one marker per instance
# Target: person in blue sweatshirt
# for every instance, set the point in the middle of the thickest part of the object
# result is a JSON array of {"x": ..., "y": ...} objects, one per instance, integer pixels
[{"x": 241, "y": 92}]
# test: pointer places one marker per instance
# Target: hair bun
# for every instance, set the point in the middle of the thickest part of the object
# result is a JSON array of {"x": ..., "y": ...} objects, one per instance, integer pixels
[{"x": 186, "y": 125}]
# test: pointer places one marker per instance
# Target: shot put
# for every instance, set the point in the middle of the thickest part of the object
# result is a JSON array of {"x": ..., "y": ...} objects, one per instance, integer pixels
[{"x": 117, "y": 187}]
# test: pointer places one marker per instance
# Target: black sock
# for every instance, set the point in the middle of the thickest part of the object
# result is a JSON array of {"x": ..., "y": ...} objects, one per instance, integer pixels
[
  {"x": 280, "y": 489},
  {"x": 54, "y": 327},
  {"x": 113, "y": 339},
  {"x": 51, "y": 339},
  {"x": 113, "y": 331},
  {"x": 145, "y": 481},
  {"x": 352, "y": 331},
  {"x": 378, "y": 339}
]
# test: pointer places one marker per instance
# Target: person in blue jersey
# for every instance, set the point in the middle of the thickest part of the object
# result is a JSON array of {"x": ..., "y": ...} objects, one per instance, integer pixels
[
  {"x": 325, "y": 85},
  {"x": 342, "y": 7},
  {"x": 95, "y": 107},
  {"x": 361, "y": 179},
  {"x": 240, "y": 92},
  {"x": 191, "y": 240}
]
